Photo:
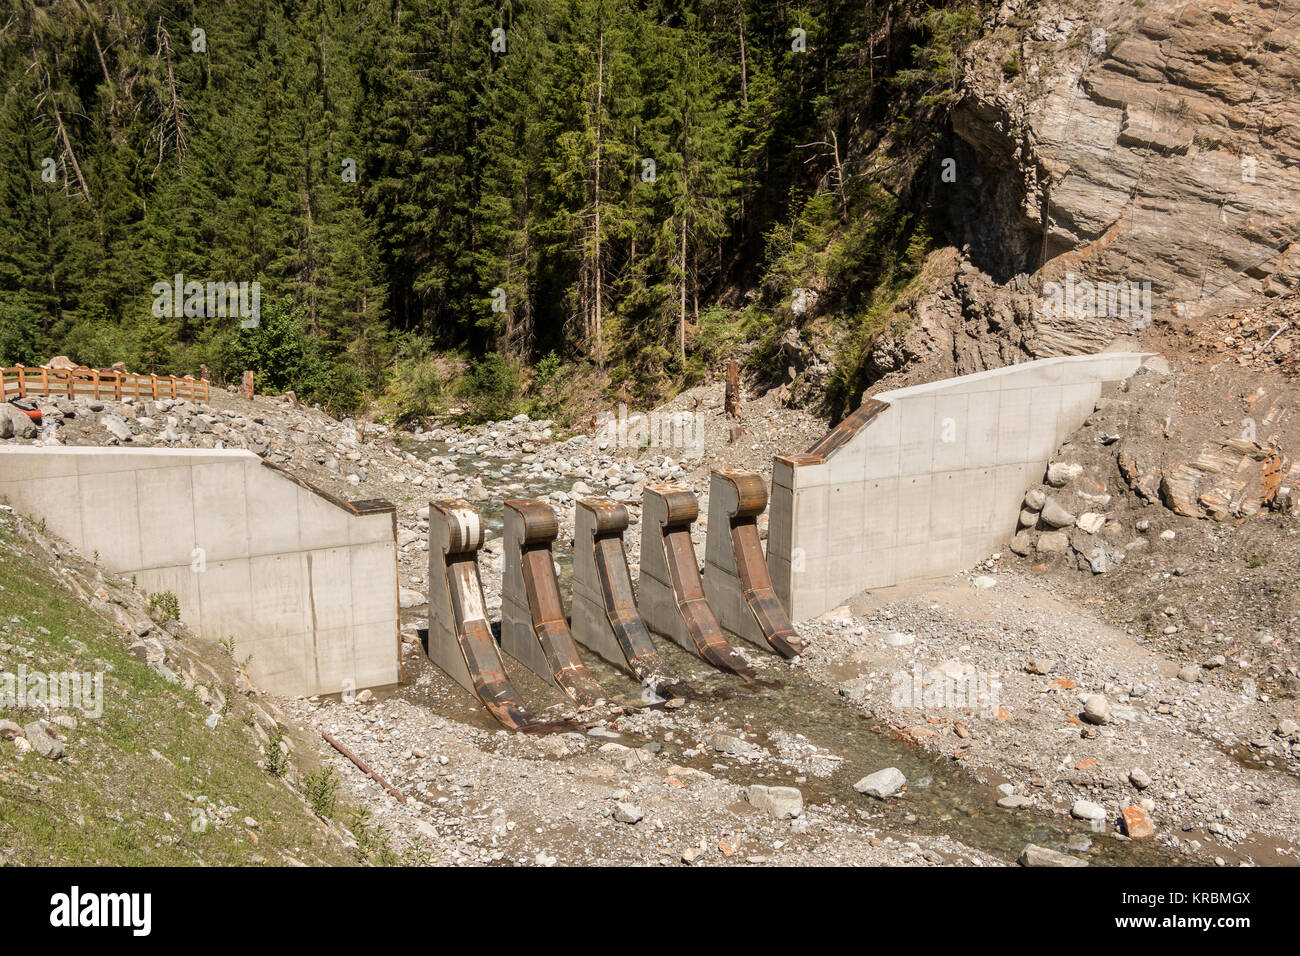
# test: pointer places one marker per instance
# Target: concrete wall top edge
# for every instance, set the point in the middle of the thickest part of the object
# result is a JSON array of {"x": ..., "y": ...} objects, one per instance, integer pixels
[
  {"x": 100, "y": 451},
  {"x": 1008, "y": 371},
  {"x": 364, "y": 506},
  {"x": 1037, "y": 373},
  {"x": 129, "y": 458}
]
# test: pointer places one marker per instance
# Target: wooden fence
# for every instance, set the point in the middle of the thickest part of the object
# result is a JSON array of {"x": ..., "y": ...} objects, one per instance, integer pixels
[{"x": 20, "y": 382}]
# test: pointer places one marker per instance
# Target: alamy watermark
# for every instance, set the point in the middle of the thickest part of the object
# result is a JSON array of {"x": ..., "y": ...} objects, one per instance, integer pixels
[
  {"x": 1084, "y": 299},
  {"x": 63, "y": 690},
  {"x": 215, "y": 300},
  {"x": 680, "y": 430},
  {"x": 952, "y": 686}
]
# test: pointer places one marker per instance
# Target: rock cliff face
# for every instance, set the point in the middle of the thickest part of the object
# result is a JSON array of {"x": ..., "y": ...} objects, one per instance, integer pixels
[{"x": 1124, "y": 141}]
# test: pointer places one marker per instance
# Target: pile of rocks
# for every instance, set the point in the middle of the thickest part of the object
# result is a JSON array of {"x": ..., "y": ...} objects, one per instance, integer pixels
[
  {"x": 41, "y": 737},
  {"x": 1067, "y": 516},
  {"x": 1266, "y": 336}
]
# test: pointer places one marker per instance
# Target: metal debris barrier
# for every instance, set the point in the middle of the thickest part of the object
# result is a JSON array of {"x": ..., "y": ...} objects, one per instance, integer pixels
[
  {"x": 608, "y": 617},
  {"x": 671, "y": 591},
  {"x": 735, "y": 569},
  {"x": 533, "y": 627}
]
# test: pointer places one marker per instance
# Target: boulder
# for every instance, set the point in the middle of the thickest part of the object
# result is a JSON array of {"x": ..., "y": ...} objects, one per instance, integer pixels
[
  {"x": 1054, "y": 516},
  {"x": 1034, "y": 855},
  {"x": 628, "y": 813},
  {"x": 1090, "y": 522},
  {"x": 42, "y": 743},
  {"x": 1096, "y": 709},
  {"x": 1087, "y": 810},
  {"x": 1053, "y": 542},
  {"x": 1136, "y": 823},
  {"x": 784, "y": 803},
  {"x": 882, "y": 784},
  {"x": 116, "y": 426},
  {"x": 1060, "y": 473},
  {"x": 20, "y": 426}
]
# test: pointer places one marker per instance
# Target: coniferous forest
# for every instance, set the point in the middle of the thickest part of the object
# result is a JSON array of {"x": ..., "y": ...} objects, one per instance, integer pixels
[{"x": 451, "y": 200}]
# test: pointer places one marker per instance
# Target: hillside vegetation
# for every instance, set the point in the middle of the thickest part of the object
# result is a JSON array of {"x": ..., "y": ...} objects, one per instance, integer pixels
[{"x": 527, "y": 204}]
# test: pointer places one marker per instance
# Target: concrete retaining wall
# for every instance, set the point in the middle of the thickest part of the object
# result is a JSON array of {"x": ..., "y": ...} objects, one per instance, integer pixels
[
  {"x": 923, "y": 481},
  {"x": 304, "y": 582}
]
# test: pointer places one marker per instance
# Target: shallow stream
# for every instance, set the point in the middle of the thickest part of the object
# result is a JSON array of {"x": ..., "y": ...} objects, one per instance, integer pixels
[{"x": 941, "y": 796}]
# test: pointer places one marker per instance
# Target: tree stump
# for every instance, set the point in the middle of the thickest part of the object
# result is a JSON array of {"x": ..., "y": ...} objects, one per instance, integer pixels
[{"x": 732, "y": 399}]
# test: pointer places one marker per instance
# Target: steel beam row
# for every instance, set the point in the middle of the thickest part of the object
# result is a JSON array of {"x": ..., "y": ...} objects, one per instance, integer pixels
[{"x": 607, "y": 616}]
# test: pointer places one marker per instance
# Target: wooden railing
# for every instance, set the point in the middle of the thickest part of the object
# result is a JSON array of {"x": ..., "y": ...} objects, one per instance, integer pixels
[{"x": 20, "y": 382}]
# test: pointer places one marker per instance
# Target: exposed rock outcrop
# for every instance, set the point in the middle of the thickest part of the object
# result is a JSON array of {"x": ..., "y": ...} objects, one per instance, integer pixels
[{"x": 1154, "y": 143}]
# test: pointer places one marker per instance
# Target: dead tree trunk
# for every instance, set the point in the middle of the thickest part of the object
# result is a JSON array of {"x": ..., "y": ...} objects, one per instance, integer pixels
[{"x": 732, "y": 403}]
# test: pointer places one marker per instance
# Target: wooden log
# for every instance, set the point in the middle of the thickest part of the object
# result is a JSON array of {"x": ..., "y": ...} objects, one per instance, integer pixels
[{"x": 732, "y": 396}]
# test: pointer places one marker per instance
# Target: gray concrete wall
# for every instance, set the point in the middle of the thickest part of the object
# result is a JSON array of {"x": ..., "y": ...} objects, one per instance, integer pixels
[
  {"x": 926, "y": 481},
  {"x": 303, "y": 582}
]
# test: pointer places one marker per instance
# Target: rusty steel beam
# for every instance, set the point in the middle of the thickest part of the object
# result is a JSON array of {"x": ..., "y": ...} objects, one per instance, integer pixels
[
  {"x": 672, "y": 594},
  {"x": 365, "y": 768},
  {"x": 534, "y": 630},
  {"x": 605, "y": 614},
  {"x": 735, "y": 568},
  {"x": 460, "y": 638},
  {"x": 860, "y": 417}
]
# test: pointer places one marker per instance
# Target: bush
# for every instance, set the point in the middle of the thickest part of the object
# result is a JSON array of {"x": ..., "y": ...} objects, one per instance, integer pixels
[
  {"x": 277, "y": 757},
  {"x": 165, "y": 604},
  {"x": 321, "y": 789},
  {"x": 344, "y": 391},
  {"x": 490, "y": 389},
  {"x": 98, "y": 345},
  {"x": 548, "y": 388},
  {"x": 415, "y": 387},
  {"x": 280, "y": 352}
]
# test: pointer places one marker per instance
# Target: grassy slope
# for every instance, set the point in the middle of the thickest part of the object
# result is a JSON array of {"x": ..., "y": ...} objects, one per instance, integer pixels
[{"x": 148, "y": 756}]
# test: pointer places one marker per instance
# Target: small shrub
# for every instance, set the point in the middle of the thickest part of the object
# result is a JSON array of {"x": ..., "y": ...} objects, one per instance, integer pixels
[
  {"x": 548, "y": 387},
  {"x": 166, "y": 605},
  {"x": 321, "y": 789},
  {"x": 415, "y": 386},
  {"x": 344, "y": 391},
  {"x": 277, "y": 757}
]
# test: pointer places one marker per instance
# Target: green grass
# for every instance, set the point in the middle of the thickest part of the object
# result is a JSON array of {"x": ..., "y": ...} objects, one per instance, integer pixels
[{"x": 137, "y": 783}]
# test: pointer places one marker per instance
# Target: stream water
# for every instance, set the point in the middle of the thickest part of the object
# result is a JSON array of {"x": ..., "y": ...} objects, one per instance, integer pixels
[{"x": 941, "y": 796}]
